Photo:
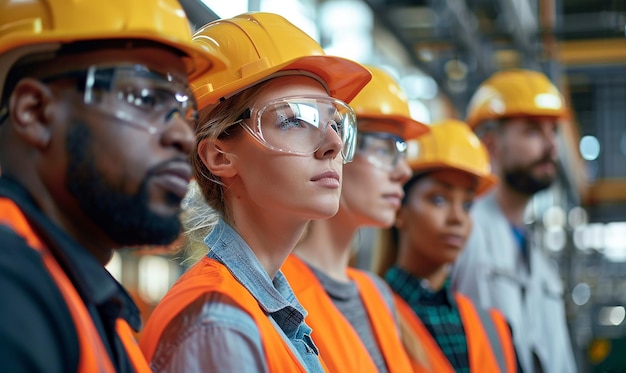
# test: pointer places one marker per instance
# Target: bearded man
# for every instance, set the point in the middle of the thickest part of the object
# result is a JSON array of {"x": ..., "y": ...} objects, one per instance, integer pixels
[{"x": 517, "y": 114}]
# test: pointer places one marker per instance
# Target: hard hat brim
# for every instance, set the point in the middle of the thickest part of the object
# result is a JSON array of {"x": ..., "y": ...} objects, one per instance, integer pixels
[
  {"x": 197, "y": 60},
  {"x": 343, "y": 78},
  {"x": 485, "y": 181}
]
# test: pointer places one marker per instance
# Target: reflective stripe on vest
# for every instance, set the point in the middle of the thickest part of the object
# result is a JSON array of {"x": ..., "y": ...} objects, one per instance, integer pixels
[
  {"x": 209, "y": 276},
  {"x": 93, "y": 355},
  {"x": 482, "y": 357},
  {"x": 340, "y": 346}
]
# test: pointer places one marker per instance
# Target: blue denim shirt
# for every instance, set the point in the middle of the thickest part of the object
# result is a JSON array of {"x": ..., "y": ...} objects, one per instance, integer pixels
[{"x": 215, "y": 335}]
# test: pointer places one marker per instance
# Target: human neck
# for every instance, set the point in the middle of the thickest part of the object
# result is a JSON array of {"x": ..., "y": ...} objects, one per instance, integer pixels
[
  {"x": 326, "y": 245},
  {"x": 270, "y": 236},
  {"x": 512, "y": 203},
  {"x": 421, "y": 267}
]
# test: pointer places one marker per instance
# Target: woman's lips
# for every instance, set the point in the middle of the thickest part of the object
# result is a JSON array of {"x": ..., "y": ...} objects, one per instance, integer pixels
[
  {"x": 394, "y": 199},
  {"x": 453, "y": 240},
  {"x": 328, "y": 179}
]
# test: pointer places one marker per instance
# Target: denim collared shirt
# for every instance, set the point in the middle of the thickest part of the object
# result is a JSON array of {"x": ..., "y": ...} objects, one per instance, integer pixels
[{"x": 215, "y": 335}]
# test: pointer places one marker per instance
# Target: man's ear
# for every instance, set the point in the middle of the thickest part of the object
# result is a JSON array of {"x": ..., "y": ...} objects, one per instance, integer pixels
[
  {"x": 216, "y": 160},
  {"x": 30, "y": 115}
]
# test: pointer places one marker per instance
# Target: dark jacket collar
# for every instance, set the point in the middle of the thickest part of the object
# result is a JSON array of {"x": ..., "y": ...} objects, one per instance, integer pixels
[{"x": 92, "y": 281}]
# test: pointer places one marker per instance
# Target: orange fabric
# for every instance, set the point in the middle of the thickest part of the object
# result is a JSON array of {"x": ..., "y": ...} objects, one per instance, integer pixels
[
  {"x": 505, "y": 336},
  {"x": 436, "y": 358},
  {"x": 340, "y": 346},
  {"x": 93, "y": 355},
  {"x": 209, "y": 276},
  {"x": 481, "y": 356},
  {"x": 127, "y": 336}
]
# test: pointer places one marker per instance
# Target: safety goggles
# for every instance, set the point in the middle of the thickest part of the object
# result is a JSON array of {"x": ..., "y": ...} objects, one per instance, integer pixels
[
  {"x": 140, "y": 97},
  {"x": 299, "y": 124},
  {"x": 381, "y": 149}
]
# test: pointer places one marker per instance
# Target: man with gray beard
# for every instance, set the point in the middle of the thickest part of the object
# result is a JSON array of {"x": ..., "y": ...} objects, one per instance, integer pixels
[{"x": 517, "y": 113}]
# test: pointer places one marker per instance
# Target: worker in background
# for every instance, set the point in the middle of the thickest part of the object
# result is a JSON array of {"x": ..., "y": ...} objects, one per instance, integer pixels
[
  {"x": 351, "y": 311},
  {"x": 517, "y": 113},
  {"x": 450, "y": 169},
  {"x": 274, "y": 134},
  {"x": 96, "y": 123}
]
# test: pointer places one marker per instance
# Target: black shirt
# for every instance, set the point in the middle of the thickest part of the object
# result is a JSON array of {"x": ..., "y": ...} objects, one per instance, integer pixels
[{"x": 37, "y": 332}]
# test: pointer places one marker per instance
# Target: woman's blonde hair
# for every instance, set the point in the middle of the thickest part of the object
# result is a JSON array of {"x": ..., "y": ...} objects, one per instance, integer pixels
[
  {"x": 385, "y": 251},
  {"x": 204, "y": 203},
  {"x": 220, "y": 121}
]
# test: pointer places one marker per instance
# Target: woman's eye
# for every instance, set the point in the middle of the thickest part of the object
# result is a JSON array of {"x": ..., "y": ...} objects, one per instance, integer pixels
[
  {"x": 438, "y": 200},
  {"x": 467, "y": 206},
  {"x": 382, "y": 150},
  {"x": 288, "y": 123}
]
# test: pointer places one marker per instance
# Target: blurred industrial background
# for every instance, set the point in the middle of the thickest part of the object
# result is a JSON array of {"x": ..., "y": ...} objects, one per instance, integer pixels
[{"x": 440, "y": 51}]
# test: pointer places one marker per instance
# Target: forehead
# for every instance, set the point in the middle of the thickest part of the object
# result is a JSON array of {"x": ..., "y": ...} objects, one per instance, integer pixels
[
  {"x": 296, "y": 85},
  {"x": 449, "y": 179},
  {"x": 514, "y": 124}
]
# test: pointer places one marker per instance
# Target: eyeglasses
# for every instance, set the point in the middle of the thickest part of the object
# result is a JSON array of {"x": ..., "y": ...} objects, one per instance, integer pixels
[
  {"x": 299, "y": 124},
  {"x": 381, "y": 149},
  {"x": 140, "y": 97}
]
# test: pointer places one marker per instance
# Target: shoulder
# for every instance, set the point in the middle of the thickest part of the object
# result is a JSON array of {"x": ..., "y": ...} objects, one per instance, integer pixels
[
  {"x": 192, "y": 336},
  {"x": 380, "y": 284},
  {"x": 37, "y": 332}
]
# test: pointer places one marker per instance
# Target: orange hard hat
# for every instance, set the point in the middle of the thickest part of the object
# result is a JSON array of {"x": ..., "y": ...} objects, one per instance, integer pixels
[
  {"x": 43, "y": 25},
  {"x": 383, "y": 100},
  {"x": 451, "y": 144},
  {"x": 259, "y": 45},
  {"x": 515, "y": 93}
]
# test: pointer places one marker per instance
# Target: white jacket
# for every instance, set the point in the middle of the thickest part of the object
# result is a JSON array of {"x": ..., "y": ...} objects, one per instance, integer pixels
[{"x": 492, "y": 272}]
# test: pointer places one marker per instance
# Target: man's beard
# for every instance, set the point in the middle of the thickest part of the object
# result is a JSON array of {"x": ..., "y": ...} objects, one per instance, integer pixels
[
  {"x": 126, "y": 219},
  {"x": 522, "y": 180}
]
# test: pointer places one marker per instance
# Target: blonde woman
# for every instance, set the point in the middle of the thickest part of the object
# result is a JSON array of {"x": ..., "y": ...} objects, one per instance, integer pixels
[
  {"x": 450, "y": 169},
  {"x": 273, "y": 136},
  {"x": 351, "y": 311}
]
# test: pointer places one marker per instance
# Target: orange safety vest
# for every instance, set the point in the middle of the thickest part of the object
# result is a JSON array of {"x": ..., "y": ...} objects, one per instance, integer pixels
[
  {"x": 340, "y": 346},
  {"x": 482, "y": 357},
  {"x": 206, "y": 276},
  {"x": 93, "y": 355}
]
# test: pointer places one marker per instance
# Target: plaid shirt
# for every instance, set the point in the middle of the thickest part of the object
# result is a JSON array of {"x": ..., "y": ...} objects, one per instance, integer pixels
[{"x": 437, "y": 310}]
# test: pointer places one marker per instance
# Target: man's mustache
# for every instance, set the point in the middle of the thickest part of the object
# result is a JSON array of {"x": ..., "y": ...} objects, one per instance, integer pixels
[{"x": 547, "y": 158}]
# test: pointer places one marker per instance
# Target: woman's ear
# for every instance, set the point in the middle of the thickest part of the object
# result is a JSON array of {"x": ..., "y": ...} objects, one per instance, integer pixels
[
  {"x": 216, "y": 160},
  {"x": 29, "y": 109}
]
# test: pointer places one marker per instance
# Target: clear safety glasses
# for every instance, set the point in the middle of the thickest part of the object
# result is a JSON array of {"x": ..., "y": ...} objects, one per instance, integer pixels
[
  {"x": 140, "y": 97},
  {"x": 299, "y": 124},
  {"x": 381, "y": 149}
]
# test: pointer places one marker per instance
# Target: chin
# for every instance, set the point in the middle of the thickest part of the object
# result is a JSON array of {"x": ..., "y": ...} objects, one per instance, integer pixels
[
  {"x": 384, "y": 222},
  {"x": 323, "y": 210}
]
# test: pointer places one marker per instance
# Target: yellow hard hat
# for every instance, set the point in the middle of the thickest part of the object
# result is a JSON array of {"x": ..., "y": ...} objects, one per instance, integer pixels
[
  {"x": 515, "y": 93},
  {"x": 258, "y": 45},
  {"x": 451, "y": 144},
  {"x": 383, "y": 98},
  {"x": 49, "y": 23}
]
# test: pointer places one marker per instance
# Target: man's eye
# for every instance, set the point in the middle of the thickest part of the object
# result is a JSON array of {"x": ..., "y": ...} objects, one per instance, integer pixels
[{"x": 143, "y": 99}]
